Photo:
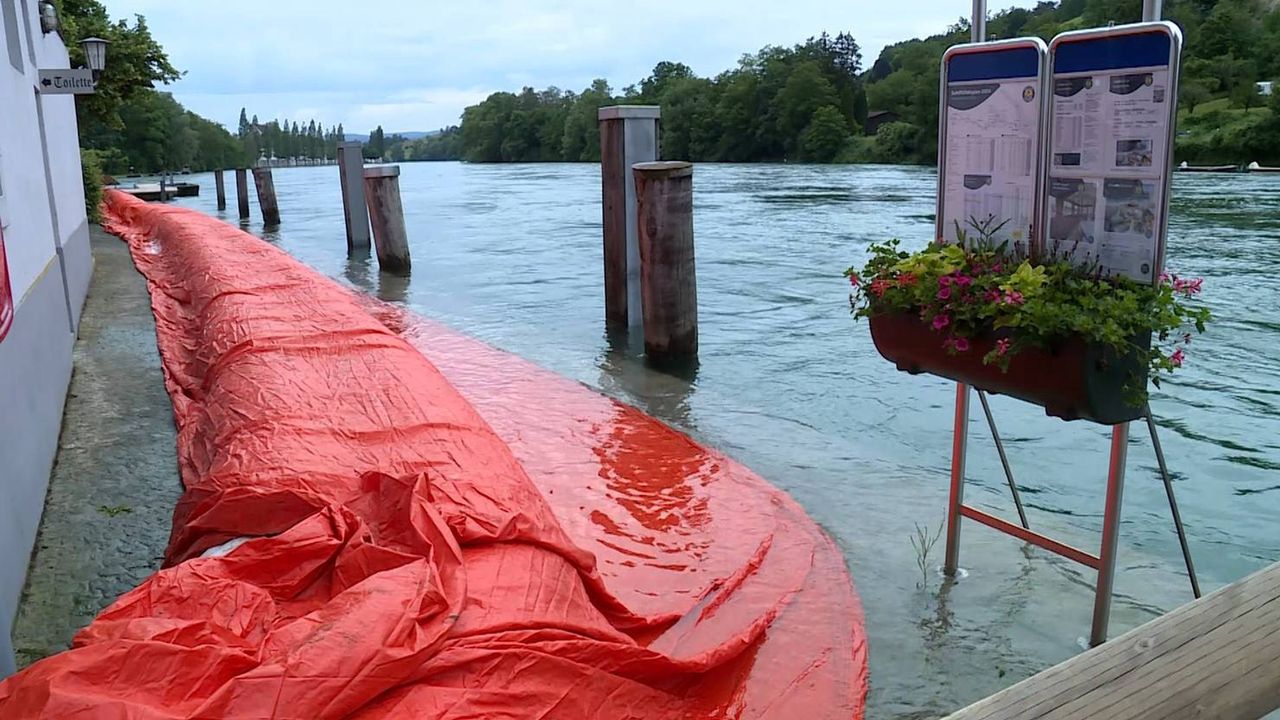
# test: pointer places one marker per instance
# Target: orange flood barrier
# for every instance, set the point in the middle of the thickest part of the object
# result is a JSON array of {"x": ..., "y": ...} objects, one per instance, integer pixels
[{"x": 426, "y": 527}]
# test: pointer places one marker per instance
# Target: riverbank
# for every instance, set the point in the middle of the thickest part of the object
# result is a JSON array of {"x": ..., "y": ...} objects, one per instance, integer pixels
[{"x": 115, "y": 481}]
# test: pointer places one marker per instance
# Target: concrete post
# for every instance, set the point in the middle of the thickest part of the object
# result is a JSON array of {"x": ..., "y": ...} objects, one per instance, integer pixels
[
  {"x": 266, "y": 196},
  {"x": 221, "y": 184},
  {"x": 354, "y": 211},
  {"x": 386, "y": 214},
  {"x": 628, "y": 135},
  {"x": 668, "y": 276},
  {"x": 242, "y": 192}
]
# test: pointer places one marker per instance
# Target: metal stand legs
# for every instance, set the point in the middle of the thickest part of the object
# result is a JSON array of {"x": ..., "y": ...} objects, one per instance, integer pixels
[
  {"x": 1110, "y": 534},
  {"x": 1105, "y": 561},
  {"x": 1173, "y": 506}
]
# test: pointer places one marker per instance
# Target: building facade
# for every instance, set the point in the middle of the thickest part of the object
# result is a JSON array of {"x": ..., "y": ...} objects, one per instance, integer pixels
[{"x": 46, "y": 247}]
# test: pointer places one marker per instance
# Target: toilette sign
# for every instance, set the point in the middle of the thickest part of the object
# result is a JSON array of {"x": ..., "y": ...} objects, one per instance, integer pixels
[
  {"x": 989, "y": 157},
  {"x": 6, "y": 293},
  {"x": 1110, "y": 137}
]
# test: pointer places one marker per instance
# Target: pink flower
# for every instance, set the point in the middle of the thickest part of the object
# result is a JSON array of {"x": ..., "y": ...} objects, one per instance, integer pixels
[
  {"x": 1177, "y": 357},
  {"x": 1164, "y": 278},
  {"x": 963, "y": 280},
  {"x": 1013, "y": 297},
  {"x": 993, "y": 296},
  {"x": 962, "y": 344},
  {"x": 944, "y": 293},
  {"x": 880, "y": 286},
  {"x": 944, "y": 280},
  {"x": 941, "y": 321},
  {"x": 997, "y": 268},
  {"x": 1002, "y": 347},
  {"x": 853, "y": 279},
  {"x": 1187, "y": 287}
]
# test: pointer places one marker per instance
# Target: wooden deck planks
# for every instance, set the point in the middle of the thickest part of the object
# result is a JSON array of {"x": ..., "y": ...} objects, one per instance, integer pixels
[{"x": 1217, "y": 657}]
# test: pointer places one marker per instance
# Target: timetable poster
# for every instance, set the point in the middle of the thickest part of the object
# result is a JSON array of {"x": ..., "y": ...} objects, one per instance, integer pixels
[
  {"x": 991, "y": 144},
  {"x": 1111, "y": 110}
]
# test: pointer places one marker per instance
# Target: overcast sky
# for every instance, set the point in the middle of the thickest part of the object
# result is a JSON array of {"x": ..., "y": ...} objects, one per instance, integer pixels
[{"x": 415, "y": 64}]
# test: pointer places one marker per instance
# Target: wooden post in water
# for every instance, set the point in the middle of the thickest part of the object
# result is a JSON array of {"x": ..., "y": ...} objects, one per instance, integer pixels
[
  {"x": 668, "y": 277},
  {"x": 628, "y": 135},
  {"x": 242, "y": 192},
  {"x": 266, "y": 195},
  {"x": 386, "y": 214},
  {"x": 221, "y": 184},
  {"x": 354, "y": 210}
]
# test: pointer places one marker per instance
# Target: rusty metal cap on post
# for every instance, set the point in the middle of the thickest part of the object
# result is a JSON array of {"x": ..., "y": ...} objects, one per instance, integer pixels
[
  {"x": 664, "y": 168},
  {"x": 381, "y": 171}
]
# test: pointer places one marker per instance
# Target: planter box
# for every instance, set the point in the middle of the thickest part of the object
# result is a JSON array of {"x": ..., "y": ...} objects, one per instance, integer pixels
[{"x": 1073, "y": 381}]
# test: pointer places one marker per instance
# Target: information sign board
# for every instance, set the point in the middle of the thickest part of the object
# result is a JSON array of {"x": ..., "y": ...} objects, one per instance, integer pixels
[
  {"x": 1111, "y": 122},
  {"x": 990, "y": 139}
]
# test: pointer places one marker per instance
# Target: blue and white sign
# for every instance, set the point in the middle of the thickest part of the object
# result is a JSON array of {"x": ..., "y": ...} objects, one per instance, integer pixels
[
  {"x": 1111, "y": 123},
  {"x": 990, "y": 139}
]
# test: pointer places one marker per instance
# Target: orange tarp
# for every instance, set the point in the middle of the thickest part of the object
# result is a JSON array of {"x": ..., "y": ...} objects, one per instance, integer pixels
[{"x": 436, "y": 529}]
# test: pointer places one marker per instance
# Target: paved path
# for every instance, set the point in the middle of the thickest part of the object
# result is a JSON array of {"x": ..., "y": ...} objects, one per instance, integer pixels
[{"x": 114, "y": 485}]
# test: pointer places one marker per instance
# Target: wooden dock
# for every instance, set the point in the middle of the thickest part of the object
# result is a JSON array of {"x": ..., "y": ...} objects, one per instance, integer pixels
[{"x": 1217, "y": 657}]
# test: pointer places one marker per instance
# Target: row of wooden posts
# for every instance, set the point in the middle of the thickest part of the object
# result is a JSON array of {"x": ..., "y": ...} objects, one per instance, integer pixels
[
  {"x": 650, "y": 281},
  {"x": 370, "y": 195}
]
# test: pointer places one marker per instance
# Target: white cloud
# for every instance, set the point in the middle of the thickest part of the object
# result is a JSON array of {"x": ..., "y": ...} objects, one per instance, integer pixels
[{"x": 414, "y": 64}]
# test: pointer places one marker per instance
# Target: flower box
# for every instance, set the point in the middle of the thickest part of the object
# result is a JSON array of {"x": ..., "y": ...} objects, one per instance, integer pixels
[{"x": 1071, "y": 380}]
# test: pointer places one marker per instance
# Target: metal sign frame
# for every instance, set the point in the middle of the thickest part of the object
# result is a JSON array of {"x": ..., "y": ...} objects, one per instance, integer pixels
[
  {"x": 1041, "y": 81},
  {"x": 1104, "y": 561},
  {"x": 1118, "y": 33}
]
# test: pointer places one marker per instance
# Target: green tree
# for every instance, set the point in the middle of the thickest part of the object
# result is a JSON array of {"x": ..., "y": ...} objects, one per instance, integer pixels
[
  {"x": 825, "y": 136},
  {"x": 805, "y": 91},
  {"x": 136, "y": 63}
]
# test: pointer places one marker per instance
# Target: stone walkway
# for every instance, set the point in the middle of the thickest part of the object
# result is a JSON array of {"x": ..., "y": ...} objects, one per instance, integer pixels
[{"x": 115, "y": 483}]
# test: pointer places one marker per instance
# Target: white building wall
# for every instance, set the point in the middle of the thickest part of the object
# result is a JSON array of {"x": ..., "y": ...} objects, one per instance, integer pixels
[{"x": 46, "y": 243}]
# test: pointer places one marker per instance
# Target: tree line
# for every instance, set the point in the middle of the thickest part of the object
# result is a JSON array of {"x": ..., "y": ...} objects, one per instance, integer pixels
[{"x": 810, "y": 102}]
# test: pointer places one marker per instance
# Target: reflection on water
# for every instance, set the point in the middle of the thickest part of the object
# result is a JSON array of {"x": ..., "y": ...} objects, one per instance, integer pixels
[{"x": 788, "y": 383}]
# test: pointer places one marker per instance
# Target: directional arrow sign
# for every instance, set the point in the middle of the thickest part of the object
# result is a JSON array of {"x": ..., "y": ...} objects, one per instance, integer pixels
[{"x": 66, "y": 82}]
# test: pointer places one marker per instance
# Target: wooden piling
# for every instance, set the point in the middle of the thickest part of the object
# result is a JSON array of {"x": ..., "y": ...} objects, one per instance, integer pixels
[
  {"x": 266, "y": 186},
  {"x": 386, "y": 215},
  {"x": 221, "y": 185},
  {"x": 628, "y": 135},
  {"x": 355, "y": 212},
  {"x": 668, "y": 278},
  {"x": 242, "y": 192}
]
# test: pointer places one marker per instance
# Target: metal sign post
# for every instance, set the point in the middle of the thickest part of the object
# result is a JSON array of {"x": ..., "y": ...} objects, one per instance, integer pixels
[
  {"x": 991, "y": 131},
  {"x": 1099, "y": 128}
]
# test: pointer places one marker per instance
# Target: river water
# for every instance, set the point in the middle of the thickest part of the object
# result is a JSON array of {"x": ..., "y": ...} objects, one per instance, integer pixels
[{"x": 789, "y": 384}]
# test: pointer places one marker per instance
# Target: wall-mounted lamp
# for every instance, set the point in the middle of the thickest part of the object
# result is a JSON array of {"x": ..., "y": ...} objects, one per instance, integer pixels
[
  {"x": 95, "y": 54},
  {"x": 48, "y": 16}
]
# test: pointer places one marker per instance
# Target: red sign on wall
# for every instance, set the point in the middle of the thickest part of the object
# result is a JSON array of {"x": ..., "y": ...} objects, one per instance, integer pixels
[{"x": 6, "y": 294}]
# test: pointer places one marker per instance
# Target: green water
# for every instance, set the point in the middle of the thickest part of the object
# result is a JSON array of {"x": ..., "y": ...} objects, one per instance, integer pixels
[{"x": 791, "y": 386}]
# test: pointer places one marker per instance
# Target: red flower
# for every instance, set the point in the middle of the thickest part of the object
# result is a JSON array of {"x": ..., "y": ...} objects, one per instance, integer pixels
[
  {"x": 853, "y": 279},
  {"x": 906, "y": 279},
  {"x": 1177, "y": 357},
  {"x": 880, "y": 286}
]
